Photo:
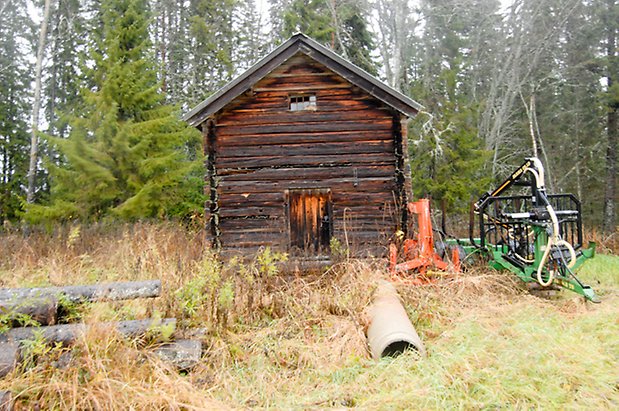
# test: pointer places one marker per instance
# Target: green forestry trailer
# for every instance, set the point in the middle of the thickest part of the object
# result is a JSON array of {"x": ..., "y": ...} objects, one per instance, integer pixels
[{"x": 537, "y": 236}]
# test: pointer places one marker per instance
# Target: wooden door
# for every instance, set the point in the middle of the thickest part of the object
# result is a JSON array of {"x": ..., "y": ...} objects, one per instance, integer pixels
[{"x": 310, "y": 220}]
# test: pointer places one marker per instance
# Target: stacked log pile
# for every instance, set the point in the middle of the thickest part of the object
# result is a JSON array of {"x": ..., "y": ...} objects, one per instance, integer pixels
[{"x": 42, "y": 305}]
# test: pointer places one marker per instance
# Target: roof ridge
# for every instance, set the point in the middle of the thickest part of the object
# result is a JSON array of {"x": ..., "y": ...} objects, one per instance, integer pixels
[{"x": 317, "y": 52}]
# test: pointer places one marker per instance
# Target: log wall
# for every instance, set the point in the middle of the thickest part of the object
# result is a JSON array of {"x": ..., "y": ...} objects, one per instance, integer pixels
[{"x": 258, "y": 150}]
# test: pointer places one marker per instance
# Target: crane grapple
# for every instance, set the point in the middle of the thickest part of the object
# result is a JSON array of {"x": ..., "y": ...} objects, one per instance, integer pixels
[{"x": 536, "y": 236}]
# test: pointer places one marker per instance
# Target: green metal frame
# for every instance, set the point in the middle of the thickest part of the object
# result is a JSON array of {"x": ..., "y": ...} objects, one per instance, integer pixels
[{"x": 496, "y": 259}]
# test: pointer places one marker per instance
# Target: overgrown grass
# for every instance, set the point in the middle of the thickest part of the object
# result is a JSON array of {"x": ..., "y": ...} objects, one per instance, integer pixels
[
  {"x": 601, "y": 272},
  {"x": 288, "y": 341}
]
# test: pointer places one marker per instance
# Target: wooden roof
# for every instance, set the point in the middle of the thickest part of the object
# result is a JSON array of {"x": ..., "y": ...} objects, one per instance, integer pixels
[{"x": 300, "y": 43}]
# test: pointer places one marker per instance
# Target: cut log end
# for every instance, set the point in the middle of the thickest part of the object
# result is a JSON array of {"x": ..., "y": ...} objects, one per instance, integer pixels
[
  {"x": 6, "y": 401},
  {"x": 9, "y": 357},
  {"x": 42, "y": 309},
  {"x": 183, "y": 354}
]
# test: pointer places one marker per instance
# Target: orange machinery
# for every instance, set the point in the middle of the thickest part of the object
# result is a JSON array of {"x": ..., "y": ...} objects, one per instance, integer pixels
[{"x": 419, "y": 254}]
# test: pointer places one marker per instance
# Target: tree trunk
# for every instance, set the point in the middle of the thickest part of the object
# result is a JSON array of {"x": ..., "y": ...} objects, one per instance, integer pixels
[
  {"x": 609, "y": 222},
  {"x": 34, "y": 139},
  {"x": 337, "y": 25},
  {"x": 76, "y": 293},
  {"x": 66, "y": 334}
]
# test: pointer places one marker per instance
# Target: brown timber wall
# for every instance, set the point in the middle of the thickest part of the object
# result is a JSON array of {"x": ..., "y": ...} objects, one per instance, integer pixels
[{"x": 261, "y": 149}]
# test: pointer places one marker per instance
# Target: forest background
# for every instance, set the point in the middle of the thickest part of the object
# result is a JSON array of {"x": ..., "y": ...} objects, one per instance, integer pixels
[{"x": 91, "y": 93}]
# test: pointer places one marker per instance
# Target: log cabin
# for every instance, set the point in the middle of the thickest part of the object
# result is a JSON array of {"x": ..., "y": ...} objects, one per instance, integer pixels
[{"x": 305, "y": 151}]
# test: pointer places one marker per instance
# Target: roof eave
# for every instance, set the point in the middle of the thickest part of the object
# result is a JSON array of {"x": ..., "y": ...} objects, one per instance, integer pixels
[{"x": 196, "y": 116}]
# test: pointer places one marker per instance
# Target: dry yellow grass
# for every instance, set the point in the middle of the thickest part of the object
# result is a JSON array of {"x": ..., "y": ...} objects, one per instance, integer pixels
[{"x": 297, "y": 342}]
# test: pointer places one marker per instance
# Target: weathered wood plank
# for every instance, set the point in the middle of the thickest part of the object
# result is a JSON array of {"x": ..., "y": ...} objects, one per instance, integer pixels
[
  {"x": 327, "y": 101},
  {"x": 306, "y": 116},
  {"x": 366, "y": 185},
  {"x": 299, "y": 138},
  {"x": 312, "y": 149},
  {"x": 274, "y": 211},
  {"x": 310, "y": 173},
  {"x": 351, "y": 198},
  {"x": 302, "y": 87},
  {"x": 300, "y": 63},
  {"x": 257, "y": 245},
  {"x": 360, "y": 213},
  {"x": 305, "y": 127},
  {"x": 324, "y": 77},
  {"x": 341, "y": 198},
  {"x": 304, "y": 160},
  {"x": 264, "y": 231},
  {"x": 278, "y": 74},
  {"x": 371, "y": 235},
  {"x": 230, "y": 237},
  {"x": 343, "y": 93},
  {"x": 251, "y": 223},
  {"x": 280, "y": 104},
  {"x": 362, "y": 223},
  {"x": 252, "y": 200}
]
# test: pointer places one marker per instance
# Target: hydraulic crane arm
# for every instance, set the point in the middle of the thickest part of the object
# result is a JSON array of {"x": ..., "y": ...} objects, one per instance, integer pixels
[
  {"x": 536, "y": 236},
  {"x": 516, "y": 175}
]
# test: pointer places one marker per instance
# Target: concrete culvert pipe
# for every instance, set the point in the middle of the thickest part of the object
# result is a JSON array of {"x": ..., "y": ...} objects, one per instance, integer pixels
[{"x": 390, "y": 332}]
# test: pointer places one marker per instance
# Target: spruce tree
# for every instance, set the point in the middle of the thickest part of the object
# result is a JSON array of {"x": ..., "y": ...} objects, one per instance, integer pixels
[
  {"x": 14, "y": 106},
  {"x": 447, "y": 156},
  {"x": 213, "y": 38},
  {"x": 340, "y": 25},
  {"x": 127, "y": 155},
  {"x": 62, "y": 81}
]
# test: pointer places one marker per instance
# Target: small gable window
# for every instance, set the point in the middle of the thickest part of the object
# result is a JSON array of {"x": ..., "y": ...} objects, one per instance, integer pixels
[{"x": 304, "y": 102}]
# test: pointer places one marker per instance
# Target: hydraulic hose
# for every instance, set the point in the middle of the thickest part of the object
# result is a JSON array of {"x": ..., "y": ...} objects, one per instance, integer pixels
[
  {"x": 551, "y": 276},
  {"x": 553, "y": 240}
]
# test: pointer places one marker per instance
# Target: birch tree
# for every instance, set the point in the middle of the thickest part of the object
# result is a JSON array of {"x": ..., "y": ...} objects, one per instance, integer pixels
[
  {"x": 396, "y": 23},
  {"x": 36, "y": 105}
]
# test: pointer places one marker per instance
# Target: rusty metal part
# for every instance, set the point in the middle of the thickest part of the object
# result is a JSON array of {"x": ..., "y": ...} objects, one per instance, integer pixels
[
  {"x": 419, "y": 253},
  {"x": 390, "y": 332}
]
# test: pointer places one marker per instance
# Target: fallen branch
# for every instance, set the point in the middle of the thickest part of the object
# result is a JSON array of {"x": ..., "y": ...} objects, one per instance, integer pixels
[{"x": 78, "y": 293}]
